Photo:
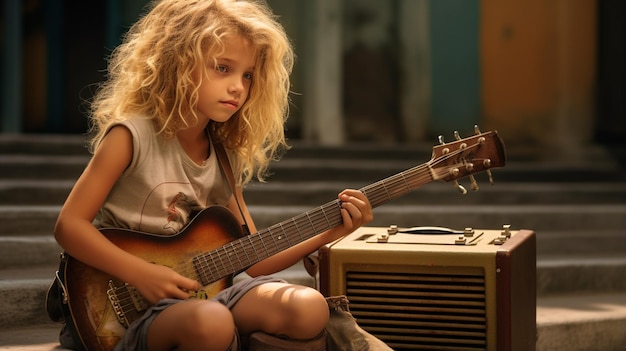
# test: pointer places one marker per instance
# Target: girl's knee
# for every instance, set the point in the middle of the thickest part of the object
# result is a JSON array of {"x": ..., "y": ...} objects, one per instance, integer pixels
[
  {"x": 310, "y": 313},
  {"x": 211, "y": 324},
  {"x": 192, "y": 325}
]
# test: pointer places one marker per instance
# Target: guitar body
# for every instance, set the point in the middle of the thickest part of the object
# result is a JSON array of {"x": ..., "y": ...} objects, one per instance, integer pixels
[{"x": 90, "y": 306}]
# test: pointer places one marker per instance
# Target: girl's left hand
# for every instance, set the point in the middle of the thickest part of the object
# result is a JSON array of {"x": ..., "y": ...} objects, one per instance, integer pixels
[{"x": 355, "y": 211}]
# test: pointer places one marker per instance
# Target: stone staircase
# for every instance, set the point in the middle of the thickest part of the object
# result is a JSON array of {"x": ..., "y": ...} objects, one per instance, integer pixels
[{"x": 575, "y": 201}]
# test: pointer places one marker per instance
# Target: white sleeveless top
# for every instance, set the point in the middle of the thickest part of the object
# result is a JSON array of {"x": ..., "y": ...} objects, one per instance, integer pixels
[{"x": 162, "y": 188}]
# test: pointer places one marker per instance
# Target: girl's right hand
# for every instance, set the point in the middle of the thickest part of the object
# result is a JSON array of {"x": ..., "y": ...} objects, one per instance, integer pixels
[{"x": 155, "y": 282}]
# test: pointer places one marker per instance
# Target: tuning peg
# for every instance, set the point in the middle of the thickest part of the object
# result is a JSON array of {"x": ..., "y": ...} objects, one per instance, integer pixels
[
  {"x": 440, "y": 138},
  {"x": 490, "y": 177},
  {"x": 487, "y": 164},
  {"x": 456, "y": 135},
  {"x": 473, "y": 183},
  {"x": 460, "y": 187},
  {"x": 476, "y": 129}
]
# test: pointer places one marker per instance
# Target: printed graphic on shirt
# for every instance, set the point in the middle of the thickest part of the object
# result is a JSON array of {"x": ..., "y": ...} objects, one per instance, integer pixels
[{"x": 179, "y": 210}]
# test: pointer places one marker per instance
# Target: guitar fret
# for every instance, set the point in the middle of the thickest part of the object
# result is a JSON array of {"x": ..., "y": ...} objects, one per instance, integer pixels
[
  {"x": 406, "y": 184},
  {"x": 250, "y": 238},
  {"x": 221, "y": 261},
  {"x": 310, "y": 221},
  {"x": 227, "y": 257},
  {"x": 202, "y": 268},
  {"x": 314, "y": 218},
  {"x": 297, "y": 229},
  {"x": 280, "y": 227},
  {"x": 325, "y": 217},
  {"x": 281, "y": 239},
  {"x": 269, "y": 233},
  {"x": 245, "y": 252},
  {"x": 396, "y": 186},
  {"x": 216, "y": 269},
  {"x": 232, "y": 248},
  {"x": 385, "y": 189}
]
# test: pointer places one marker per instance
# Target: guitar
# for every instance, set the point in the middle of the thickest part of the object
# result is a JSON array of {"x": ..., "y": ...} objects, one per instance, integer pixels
[{"x": 212, "y": 249}]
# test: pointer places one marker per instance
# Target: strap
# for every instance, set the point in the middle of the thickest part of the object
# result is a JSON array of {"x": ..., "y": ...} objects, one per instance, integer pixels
[{"x": 222, "y": 157}]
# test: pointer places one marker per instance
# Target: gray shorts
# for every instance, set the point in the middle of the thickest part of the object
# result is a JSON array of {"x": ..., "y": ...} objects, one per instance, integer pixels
[{"x": 135, "y": 337}]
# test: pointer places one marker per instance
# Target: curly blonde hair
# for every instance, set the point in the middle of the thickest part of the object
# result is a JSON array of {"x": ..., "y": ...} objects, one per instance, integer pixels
[{"x": 152, "y": 74}]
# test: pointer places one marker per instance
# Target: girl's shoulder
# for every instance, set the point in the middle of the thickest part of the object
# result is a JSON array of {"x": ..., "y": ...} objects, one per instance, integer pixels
[
  {"x": 141, "y": 129},
  {"x": 138, "y": 124}
]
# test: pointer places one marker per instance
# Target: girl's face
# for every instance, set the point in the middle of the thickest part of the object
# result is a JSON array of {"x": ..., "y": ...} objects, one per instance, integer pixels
[{"x": 226, "y": 85}]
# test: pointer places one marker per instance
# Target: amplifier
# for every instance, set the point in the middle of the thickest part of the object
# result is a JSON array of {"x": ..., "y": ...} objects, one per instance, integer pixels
[{"x": 433, "y": 288}]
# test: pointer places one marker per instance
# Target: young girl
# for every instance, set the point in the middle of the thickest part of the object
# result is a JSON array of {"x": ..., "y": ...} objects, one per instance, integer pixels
[{"x": 189, "y": 74}]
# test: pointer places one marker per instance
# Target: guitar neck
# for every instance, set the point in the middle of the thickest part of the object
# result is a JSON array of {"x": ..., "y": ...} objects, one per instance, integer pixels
[
  {"x": 450, "y": 162},
  {"x": 239, "y": 254}
]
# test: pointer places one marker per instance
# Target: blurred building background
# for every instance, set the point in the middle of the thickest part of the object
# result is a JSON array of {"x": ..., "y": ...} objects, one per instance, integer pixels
[{"x": 389, "y": 71}]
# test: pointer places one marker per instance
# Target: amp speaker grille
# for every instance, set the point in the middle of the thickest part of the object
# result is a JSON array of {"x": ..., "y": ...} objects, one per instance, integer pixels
[{"x": 417, "y": 311}]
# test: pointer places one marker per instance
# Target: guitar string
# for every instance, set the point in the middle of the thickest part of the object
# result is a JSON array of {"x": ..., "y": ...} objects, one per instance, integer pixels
[
  {"x": 440, "y": 173},
  {"x": 377, "y": 193},
  {"x": 316, "y": 218}
]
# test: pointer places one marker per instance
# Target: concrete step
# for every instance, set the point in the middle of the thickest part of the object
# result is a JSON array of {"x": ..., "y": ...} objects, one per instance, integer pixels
[
  {"x": 277, "y": 193},
  {"x": 73, "y": 144},
  {"x": 22, "y": 289},
  {"x": 29, "y": 251},
  {"x": 21, "y": 166},
  {"x": 573, "y": 199},
  {"x": 580, "y": 274},
  {"x": 581, "y": 322},
  {"x": 554, "y": 276},
  {"x": 43, "y": 144},
  {"x": 573, "y": 323}
]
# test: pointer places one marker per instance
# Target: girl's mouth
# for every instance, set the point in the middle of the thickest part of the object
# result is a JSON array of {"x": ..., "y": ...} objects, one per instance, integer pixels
[{"x": 231, "y": 103}]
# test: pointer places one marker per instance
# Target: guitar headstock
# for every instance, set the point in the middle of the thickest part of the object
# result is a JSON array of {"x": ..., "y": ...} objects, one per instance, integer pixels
[{"x": 464, "y": 157}]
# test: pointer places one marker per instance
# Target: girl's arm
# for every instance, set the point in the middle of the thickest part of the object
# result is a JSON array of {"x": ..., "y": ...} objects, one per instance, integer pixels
[
  {"x": 356, "y": 211},
  {"x": 75, "y": 232}
]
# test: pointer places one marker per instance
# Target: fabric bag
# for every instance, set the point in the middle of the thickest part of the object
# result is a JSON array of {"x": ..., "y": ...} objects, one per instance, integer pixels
[{"x": 58, "y": 310}]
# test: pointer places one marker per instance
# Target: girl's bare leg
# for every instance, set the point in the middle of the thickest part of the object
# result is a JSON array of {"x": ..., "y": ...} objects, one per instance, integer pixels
[
  {"x": 192, "y": 325},
  {"x": 297, "y": 312}
]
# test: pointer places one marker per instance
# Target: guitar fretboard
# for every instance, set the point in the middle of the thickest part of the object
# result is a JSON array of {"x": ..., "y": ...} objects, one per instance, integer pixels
[{"x": 239, "y": 254}]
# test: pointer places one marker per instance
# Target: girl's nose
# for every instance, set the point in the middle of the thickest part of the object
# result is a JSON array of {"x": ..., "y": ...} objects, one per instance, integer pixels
[{"x": 236, "y": 86}]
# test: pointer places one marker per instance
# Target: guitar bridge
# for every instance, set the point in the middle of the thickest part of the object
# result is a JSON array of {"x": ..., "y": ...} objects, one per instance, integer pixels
[
  {"x": 117, "y": 307},
  {"x": 126, "y": 302}
]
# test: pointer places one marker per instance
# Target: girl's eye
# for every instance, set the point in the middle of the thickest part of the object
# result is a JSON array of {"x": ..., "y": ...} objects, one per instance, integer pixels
[
  {"x": 221, "y": 68},
  {"x": 247, "y": 76}
]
